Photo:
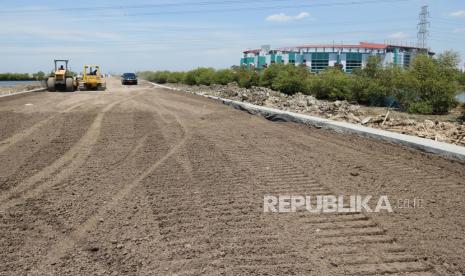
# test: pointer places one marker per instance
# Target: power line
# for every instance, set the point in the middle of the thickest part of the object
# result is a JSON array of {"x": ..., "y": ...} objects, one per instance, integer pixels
[
  {"x": 334, "y": 4},
  {"x": 241, "y": 9},
  {"x": 143, "y": 6},
  {"x": 249, "y": 38}
]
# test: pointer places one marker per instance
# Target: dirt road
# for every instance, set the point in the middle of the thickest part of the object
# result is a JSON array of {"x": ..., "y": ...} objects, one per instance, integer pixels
[{"x": 143, "y": 181}]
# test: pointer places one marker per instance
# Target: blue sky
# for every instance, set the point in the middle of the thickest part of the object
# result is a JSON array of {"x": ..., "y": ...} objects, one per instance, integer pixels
[{"x": 183, "y": 34}]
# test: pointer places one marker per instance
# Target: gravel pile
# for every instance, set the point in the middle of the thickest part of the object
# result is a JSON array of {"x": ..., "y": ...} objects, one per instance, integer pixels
[{"x": 450, "y": 132}]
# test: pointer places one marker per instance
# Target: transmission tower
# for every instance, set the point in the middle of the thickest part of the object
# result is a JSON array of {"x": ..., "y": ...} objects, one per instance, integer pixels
[{"x": 423, "y": 26}]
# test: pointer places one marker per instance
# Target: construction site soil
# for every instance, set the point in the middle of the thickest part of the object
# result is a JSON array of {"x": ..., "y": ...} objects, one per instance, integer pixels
[{"x": 139, "y": 180}]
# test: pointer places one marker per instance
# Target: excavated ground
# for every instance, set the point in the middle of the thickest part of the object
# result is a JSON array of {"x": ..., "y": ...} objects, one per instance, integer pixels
[{"x": 144, "y": 181}]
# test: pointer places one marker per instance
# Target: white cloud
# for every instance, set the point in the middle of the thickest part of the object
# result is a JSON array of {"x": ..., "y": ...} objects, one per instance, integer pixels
[
  {"x": 460, "y": 13},
  {"x": 302, "y": 15},
  {"x": 459, "y": 30},
  {"x": 282, "y": 17},
  {"x": 399, "y": 35}
]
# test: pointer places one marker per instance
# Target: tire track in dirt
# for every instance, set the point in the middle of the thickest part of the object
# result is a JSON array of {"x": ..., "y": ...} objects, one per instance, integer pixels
[
  {"x": 340, "y": 232},
  {"x": 59, "y": 230},
  {"x": 129, "y": 222},
  {"x": 68, "y": 242},
  {"x": 71, "y": 201},
  {"x": 324, "y": 145},
  {"x": 395, "y": 163},
  {"x": 128, "y": 261},
  {"x": 174, "y": 194},
  {"x": 185, "y": 197},
  {"x": 8, "y": 142},
  {"x": 47, "y": 142},
  {"x": 61, "y": 168},
  {"x": 434, "y": 180},
  {"x": 199, "y": 234},
  {"x": 42, "y": 148},
  {"x": 246, "y": 241}
]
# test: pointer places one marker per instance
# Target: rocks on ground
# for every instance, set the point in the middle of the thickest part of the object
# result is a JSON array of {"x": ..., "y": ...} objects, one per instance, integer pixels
[{"x": 450, "y": 132}]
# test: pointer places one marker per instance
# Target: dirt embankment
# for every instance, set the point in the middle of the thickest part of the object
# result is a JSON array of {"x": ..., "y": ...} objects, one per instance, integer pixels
[
  {"x": 19, "y": 88},
  {"x": 440, "y": 128}
]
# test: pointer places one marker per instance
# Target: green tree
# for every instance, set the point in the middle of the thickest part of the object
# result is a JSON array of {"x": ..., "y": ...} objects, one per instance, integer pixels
[
  {"x": 433, "y": 88},
  {"x": 332, "y": 84},
  {"x": 449, "y": 58},
  {"x": 461, "y": 79},
  {"x": 247, "y": 78},
  {"x": 372, "y": 68},
  {"x": 190, "y": 78},
  {"x": 175, "y": 77},
  {"x": 225, "y": 76},
  {"x": 289, "y": 79},
  {"x": 269, "y": 74},
  {"x": 39, "y": 75},
  {"x": 15, "y": 76}
]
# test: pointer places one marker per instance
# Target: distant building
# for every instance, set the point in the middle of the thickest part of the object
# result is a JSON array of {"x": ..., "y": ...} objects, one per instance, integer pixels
[{"x": 320, "y": 57}]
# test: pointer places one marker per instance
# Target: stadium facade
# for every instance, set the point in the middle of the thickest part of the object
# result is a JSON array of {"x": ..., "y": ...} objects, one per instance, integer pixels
[{"x": 319, "y": 57}]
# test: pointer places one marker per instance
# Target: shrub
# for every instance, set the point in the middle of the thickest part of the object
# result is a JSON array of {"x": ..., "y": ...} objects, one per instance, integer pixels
[
  {"x": 372, "y": 68},
  {"x": 190, "y": 78},
  {"x": 247, "y": 78},
  {"x": 161, "y": 77},
  {"x": 365, "y": 90},
  {"x": 289, "y": 79},
  {"x": 224, "y": 76},
  {"x": 15, "y": 76},
  {"x": 433, "y": 85},
  {"x": 175, "y": 77},
  {"x": 428, "y": 86},
  {"x": 461, "y": 79},
  {"x": 269, "y": 74},
  {"x": 39, "y": 75},
  {"x": 199, "y": 76},
  {"x": 205, "y": 76},
  {"x": 332, "y": 84},
  {"x": 392, "y": 82},
  {"x": 421, "y": 107}
]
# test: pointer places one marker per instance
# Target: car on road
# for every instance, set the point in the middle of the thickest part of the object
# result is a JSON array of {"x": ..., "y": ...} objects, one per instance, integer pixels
[{"x": 129, "y": 78}]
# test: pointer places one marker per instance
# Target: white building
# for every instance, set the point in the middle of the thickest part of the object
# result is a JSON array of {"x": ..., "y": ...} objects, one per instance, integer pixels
[{"x": 320, "y": 57}]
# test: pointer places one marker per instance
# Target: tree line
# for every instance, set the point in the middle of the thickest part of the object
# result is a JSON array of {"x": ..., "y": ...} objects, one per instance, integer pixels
[
  {"x": 428, "y": 86},
  {"x": 22, "y": 76}
]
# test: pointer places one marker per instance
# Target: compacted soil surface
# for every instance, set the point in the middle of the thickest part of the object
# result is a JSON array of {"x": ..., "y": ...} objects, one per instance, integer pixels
[{"x": 139, "y": 180}]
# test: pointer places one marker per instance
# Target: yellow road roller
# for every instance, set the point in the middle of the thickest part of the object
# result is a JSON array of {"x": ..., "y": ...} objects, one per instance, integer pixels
[{"x": 61, "y": 79}]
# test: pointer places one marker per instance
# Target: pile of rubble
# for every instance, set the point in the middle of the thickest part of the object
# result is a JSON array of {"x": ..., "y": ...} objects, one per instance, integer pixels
[{"x": 450, "y": 132}]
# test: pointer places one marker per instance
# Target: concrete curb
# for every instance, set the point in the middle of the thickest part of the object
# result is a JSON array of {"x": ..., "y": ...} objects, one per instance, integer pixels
[
  {"x": 443, "y": 149},
  {"x": 23, "y": 92}
]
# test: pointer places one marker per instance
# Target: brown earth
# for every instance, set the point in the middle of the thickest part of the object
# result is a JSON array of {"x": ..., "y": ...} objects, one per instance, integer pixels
[{"x": 144, "y": 181}]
